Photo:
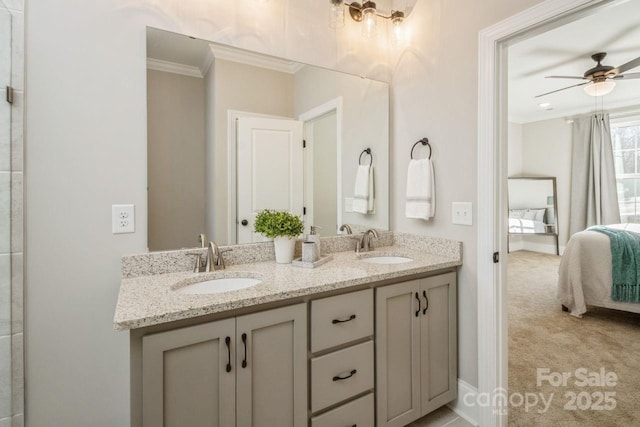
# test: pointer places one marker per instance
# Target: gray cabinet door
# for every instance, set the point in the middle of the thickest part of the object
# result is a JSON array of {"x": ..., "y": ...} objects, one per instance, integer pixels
[
  {"x": 398, "y": 318},
  {"x": 186, "y": 380},
  {"x": 271, "y": 356},
  {"x": 438, "y": 341}
]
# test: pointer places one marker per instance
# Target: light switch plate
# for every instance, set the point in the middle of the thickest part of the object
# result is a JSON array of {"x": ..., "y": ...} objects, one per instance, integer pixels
[
  {"x": 462, "y": 213},
  {"x": 123, "y": 219}
]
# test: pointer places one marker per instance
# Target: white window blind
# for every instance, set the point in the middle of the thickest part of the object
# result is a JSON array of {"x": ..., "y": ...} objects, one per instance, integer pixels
[{"x": 625, "y": 137}]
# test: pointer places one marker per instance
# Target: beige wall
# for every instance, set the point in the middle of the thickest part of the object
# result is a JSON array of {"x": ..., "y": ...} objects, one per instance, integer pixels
[
  {"x": 175, "y": 159},
  {"x": 514, "y": 164},
  {"x": 244, "y": 88},
  {"x": 546, "y": 151},
  {"x": 86, "y": 149}
]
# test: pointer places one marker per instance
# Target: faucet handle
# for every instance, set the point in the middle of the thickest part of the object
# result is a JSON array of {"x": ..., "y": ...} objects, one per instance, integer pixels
[
  {"x": 198, "y": 266},
  {"x": 202, "y": 239}
]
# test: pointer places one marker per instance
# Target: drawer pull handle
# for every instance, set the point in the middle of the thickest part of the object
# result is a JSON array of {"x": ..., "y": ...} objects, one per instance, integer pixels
[
  {"x": 244, "y": 341},
  {"x": 339, "y": 378},
  {"x": 426, "y": 299},
  {"x": 418, "y": 311},
  {"x": 335, "y": 321},
  {"x": 227, "y": 341}
]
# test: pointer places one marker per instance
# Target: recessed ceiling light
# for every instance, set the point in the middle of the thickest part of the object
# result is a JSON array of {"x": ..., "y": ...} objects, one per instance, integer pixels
[{"x": 544, "y": 105}]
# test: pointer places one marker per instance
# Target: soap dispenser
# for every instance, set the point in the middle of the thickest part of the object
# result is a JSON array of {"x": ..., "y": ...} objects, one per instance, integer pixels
[{"x": 314, "y": 237}]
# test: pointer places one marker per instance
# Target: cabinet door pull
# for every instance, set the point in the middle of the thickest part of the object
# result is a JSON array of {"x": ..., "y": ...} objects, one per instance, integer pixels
[
  {"x": 227, "y": 341},
  {"x": 339, "y": 378},
  {"x": 426, "y": 301},
  {"x": 418, "y": 311},
  {"x": 244, "y": 341},
  {"x": 334, "y": 321}
]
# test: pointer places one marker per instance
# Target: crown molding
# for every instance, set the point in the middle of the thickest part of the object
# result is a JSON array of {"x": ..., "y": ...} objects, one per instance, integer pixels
[
  {"x": 255, "y": 59},
  {"x": 172, "y": 67}
]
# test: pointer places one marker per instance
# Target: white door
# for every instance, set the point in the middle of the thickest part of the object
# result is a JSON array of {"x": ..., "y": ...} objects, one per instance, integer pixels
[{"x": 269, "y": 170}]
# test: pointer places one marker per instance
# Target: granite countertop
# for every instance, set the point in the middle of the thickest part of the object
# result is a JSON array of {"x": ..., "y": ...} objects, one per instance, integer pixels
[{"x": 150, "y": 299}]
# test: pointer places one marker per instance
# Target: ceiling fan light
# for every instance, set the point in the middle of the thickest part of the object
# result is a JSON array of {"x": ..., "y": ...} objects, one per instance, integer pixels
[{"x": 599, "y": 88}]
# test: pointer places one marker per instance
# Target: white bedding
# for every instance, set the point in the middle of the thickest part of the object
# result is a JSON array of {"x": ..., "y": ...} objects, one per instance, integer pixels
[
  {"x": 525, "y": 226},
  {"x": 584, "y": 276}
]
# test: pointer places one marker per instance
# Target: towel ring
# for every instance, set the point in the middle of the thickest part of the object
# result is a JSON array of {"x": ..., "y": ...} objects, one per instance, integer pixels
[
  {"x": 423, "y": 141},
  {"x": 366, "y": 151}
]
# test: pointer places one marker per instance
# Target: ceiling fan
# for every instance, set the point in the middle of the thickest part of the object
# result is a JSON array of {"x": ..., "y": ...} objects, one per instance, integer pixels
[{"x": 600, "y": 80}]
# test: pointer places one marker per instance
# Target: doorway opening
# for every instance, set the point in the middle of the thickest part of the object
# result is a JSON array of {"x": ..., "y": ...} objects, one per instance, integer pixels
[{"x": 493, "y": 307}]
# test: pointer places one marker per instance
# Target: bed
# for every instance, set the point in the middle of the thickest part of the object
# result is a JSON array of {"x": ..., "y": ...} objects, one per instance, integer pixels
[{"x": 584, "y": 276}]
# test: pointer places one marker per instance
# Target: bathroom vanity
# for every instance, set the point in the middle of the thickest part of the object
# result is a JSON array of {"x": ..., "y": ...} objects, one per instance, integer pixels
[{"x": 361, "y": 340}]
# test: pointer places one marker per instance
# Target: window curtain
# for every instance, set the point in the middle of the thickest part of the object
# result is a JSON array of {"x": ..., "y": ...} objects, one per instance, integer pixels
[{"x": 594, "y": 197}]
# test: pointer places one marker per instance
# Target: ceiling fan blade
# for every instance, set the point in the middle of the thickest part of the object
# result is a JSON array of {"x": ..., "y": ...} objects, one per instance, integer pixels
[
  {"x": 628, "y": 66},
  {"x": 565, "y": 77},
  {"x": 627, "y": 76},
  {"x": 558, "y": 90}
]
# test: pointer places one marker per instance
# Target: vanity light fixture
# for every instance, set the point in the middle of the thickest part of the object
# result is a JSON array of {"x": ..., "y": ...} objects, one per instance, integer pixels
[
  {"x": 366, "y": 13},
  {"x": 599, "y": 88}
]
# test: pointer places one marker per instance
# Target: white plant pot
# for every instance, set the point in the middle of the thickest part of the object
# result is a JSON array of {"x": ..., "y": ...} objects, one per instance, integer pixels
[{"x": 285, "y": 248}]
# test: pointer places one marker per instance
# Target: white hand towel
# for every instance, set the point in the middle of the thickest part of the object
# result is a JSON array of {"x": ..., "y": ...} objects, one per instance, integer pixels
[
  {"x": 364, "y": 192},
  {"x": 421, "y": 190}
]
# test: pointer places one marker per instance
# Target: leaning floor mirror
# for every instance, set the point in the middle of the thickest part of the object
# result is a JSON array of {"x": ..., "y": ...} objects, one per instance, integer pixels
[{"x": 533, "y": 210}]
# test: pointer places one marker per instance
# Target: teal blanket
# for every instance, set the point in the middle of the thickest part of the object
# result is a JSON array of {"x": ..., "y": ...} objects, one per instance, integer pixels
[{"x": 625, "y": 263}]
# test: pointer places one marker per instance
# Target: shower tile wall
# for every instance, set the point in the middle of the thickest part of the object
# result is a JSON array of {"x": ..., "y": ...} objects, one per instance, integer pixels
[{"x": 11, "y": 215}]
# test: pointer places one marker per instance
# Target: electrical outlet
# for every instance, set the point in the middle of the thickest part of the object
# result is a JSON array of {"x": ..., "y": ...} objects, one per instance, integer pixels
[
  {"x": 462, "y": 213},
  {"x": 123, "y": 219}
]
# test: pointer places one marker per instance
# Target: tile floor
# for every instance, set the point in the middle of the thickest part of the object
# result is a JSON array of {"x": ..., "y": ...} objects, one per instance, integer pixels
[{"x": 441, "y": 418}]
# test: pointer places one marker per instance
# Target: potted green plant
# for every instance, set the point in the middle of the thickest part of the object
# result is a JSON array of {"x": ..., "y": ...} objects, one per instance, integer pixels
[{"x": 283, "y": 227}]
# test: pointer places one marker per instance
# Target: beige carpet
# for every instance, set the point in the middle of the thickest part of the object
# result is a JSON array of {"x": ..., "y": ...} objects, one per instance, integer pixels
[{"x": 542, "y": 336}]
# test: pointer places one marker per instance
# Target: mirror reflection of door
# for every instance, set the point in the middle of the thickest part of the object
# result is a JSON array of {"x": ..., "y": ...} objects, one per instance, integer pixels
[
  {"x": 269, "y": 171},
  {"x": 321, "y": 192}
]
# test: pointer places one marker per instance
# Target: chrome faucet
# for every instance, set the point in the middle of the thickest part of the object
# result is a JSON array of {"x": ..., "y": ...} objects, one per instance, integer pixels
[
  {"x": 200, "y": 265},
  {"x": 366, "y": 243},
  {"x": 210, "y": 260},
  {"x": 347, "y": 227},
  {"x": 215, "y": 260}
]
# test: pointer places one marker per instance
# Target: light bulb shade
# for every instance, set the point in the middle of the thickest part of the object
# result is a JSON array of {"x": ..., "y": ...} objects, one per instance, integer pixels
[
  {"x": 397, "y": 18},
  {"x": 369, "y": 18},
  {"x": 337, "y": 14},
  {"x": 599, "y": 88}
]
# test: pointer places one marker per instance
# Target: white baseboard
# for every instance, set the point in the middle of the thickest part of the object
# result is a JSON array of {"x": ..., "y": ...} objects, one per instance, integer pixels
[{"x": 466, "y": 408}]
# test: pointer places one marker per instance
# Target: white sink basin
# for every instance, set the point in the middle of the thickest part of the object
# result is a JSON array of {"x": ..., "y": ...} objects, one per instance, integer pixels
[
  {"x": 386, "y": 259},
  {"x": 216, "y": 286}
]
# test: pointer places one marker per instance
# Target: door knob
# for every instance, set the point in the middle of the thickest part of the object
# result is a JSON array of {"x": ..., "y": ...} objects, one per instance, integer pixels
[{"x": 244, "y": 222}]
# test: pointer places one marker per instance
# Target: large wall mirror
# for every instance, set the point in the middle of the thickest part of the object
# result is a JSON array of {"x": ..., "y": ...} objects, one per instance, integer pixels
[
  {"x": 533, "y": 208},
  {"x": 231, "y": 132}
]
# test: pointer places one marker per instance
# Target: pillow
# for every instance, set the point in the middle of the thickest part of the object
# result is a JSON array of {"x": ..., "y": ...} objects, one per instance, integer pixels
[
  {"x": 534, "y": 214},
  {"x": 517, "y": 213},
  {"x": 539, "y": 214}
]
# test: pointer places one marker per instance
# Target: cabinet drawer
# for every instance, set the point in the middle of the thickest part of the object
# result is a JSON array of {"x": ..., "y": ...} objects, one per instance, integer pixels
[
  {"x": 358, "y": 413},
  {"x": 339, "y": 375},
  {"x": 340, "y": 319}
]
